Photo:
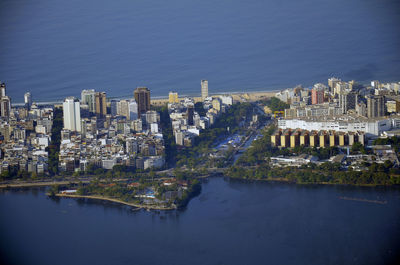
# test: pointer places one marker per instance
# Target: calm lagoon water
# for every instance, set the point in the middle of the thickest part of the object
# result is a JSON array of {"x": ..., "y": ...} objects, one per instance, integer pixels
[
  {"x": 231, "y": 222},
  {"x": 56, "y": 48}
]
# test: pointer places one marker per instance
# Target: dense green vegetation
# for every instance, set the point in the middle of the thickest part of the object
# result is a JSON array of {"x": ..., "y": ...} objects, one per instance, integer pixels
[
  {"x": 131, "y": 193},
  {"x": 275, "y": 104},
  {"x": 111, "y": 190},
  {"x": 359, "y": 148},
  {"x": 192, "y": 191},
  {"x": 377, "y": 174},
  {"x": 54, "y": 147}
]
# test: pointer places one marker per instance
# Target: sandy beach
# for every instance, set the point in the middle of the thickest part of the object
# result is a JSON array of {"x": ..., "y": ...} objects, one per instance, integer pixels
[{"x": 239, "y": 97}]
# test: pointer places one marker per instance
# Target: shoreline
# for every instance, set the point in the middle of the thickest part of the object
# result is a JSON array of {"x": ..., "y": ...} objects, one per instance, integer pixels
[
  {"x": 96, "y": 197},
  {"x": 237, "y": 96},
  {"x": 269, "y": 179},
  {"x": 287, "y": 181},
  {"x": 254, "y": 95},
  {"x": 40, "y": 184}
]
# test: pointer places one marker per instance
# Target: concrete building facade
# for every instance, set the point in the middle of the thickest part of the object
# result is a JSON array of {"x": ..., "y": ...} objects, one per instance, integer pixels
[
  {"x": 142, "y": 98},
  {"x": 72, "y": 114},
  {"x": 204, "y": 89}
]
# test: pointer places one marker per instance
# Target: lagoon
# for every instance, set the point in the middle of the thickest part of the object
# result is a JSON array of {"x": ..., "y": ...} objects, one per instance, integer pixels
[{"x": 230, "y": 222}]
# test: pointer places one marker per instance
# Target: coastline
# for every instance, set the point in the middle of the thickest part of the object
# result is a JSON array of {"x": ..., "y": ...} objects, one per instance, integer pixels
[
  {"x": 287, "y": 181},
  {"x": 102, "y": 198},
  {"x": 269, "y": 179},
  {"x": 237, "y": 96},
  {"x": 160, "y": 100},
  {"x": 40, "y": 184}
]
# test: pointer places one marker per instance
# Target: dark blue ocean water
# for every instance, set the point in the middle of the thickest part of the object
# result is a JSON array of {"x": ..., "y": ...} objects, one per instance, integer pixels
[
  {"x": 230, "y": 222},
  {"x": 56, "y": 48}
]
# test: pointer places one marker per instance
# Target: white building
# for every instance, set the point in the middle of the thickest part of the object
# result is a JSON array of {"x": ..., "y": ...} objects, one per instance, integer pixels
[
  {"x": 72, "y": 114},
  {"x": 108, "y": 163},
  {"x": 204, "y": 89},
  {"x": 133, "y": 110},
  {"x": 285, "y": 95},
  {"x": 28, "y": 100},
  {"x": 43, "y": 141},
  {"x": 371, "y": 127},
  {"x": 227, "y": 100},
  {"x": 153, "y": 162},
  {"x": 179, "y": 135},
  {"x": 40, "y": 129},
  {"x": 154, "y": 127}
]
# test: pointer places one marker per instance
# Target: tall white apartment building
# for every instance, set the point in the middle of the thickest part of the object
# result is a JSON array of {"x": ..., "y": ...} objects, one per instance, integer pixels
[
  {"x": 28, "y": 100},
  {"x": 72, "y": 114},
  {"x": 204, "y": 89},
  {"x": 133, "y": 110}
]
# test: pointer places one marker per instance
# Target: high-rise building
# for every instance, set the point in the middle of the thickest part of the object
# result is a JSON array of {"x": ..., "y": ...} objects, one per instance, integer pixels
[
  {"x": 142, "y": 97},
  {"x": 84, "y": 127},
  {"x": 151, "y": 117},
  {"x": 173, "y": 97},
  {"x": 133, "y": 110},
  {"x": 375, "y": 106},
  {"x": 347, "y": 101},
  {"x": 101, "y": 104},
  {"x": 72, "y": 114},
  {"x": 5, "y": 102},
  {"x": 317, "y": 96},
  {"x": 123, "y": 108},
  {"x": 88, "y": 98},
  {"x": 114, "y": 107},
  {"x": 375, "y": 84},
  {"x": 361, "y": 109},
  {"x": 341, "y": 87},
  {"x": 5, "y": 106},
  {"x": 28, "y": 100},
  {"x": 190, "y": 114},
  {"x": 2, "y": 90},
  {"x": 332, "y": 83},
  {"x": 204, "y": 89}
]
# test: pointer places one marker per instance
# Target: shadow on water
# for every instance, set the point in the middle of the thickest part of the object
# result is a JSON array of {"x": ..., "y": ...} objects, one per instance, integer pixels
[
  {"x": 338, "y": 187},
  {"x": 35, "y": 191},
  {"x": 107, "y": 205},
  {"x": 54, "y": 199},
  {"x": 112, "y": 206}
]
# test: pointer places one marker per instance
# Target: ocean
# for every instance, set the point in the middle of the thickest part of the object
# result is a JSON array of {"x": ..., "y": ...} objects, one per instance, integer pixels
[{"x": 56, "y": 48}]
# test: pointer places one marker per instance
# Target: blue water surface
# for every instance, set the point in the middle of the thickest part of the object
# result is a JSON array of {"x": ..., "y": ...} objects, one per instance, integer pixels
[{"x": 56, "y": 48}]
